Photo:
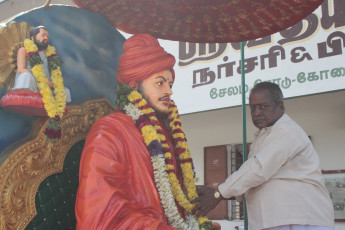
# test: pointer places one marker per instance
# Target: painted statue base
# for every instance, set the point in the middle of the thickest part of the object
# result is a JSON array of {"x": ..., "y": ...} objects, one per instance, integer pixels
[{"x": 25, "y": 102}]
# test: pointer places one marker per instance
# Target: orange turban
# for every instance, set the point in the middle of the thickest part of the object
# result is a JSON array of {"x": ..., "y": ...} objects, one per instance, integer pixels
[{"x": 142, "y": 57}]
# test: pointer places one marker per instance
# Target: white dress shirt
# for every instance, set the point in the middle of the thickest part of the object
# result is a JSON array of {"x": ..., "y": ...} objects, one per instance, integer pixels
[{"x": 281, "y": 180}]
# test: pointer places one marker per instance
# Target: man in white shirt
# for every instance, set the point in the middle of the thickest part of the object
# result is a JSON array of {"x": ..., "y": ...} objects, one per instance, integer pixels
[{"x": 281, "y": 180}]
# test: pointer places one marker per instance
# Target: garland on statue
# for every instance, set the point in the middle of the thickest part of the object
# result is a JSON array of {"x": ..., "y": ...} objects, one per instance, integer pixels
[
  {"x": 54, "y": 103},
  {"x": 167, "y": 184}
]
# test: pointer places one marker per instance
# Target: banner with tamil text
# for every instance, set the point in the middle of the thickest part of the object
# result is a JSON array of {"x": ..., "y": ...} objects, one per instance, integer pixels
[{"x": 307, "y": 58}]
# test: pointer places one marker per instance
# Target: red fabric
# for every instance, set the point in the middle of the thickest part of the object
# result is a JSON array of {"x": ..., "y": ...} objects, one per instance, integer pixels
[
  {"x": 216, "y": 225},
  {"x": 25, "y": 102},
  {"x": 116, "y": 187},
  {"x": 202, "y": 21},
  {"x": 142, "y": 57}
]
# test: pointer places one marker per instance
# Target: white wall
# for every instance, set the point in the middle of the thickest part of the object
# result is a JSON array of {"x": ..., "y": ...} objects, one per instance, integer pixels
[{"x": 322, "y": 117}]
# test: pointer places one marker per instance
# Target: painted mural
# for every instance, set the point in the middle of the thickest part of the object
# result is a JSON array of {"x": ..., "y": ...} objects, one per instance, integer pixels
[{"x": 89, "y": 48}]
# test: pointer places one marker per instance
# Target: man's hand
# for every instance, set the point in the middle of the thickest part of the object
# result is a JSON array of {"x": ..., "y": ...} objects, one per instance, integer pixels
[{"x": 205, "y": 202}]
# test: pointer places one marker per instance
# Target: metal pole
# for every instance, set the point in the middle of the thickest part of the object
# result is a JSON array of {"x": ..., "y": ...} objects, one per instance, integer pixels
[{"x": 244, "y": 128}]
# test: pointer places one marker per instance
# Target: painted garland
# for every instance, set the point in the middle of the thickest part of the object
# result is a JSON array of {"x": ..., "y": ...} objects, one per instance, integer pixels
[
  {"x": 54, "y": 104},
  {"x": 167, "y": 184}
]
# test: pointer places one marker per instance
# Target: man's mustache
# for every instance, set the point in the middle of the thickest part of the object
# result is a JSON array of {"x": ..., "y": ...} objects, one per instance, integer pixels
[{"x": 164, "y": 97}]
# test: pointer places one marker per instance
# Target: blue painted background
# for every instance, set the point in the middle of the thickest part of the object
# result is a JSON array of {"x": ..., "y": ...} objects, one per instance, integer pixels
[{"x": 89, "y": 48}]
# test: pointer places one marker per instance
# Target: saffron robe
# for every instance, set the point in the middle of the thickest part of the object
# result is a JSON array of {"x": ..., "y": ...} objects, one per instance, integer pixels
[{"x": 116, "y": 186}]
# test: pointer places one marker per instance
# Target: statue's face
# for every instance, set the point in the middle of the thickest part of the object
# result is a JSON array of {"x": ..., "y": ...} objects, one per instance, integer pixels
[
  {"x": 156, "y": 89},
  {"x": 42, "y": 39}
]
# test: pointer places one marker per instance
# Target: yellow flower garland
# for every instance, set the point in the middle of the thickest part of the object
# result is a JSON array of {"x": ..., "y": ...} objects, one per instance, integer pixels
[
  {"x": 150, "y": 133},
  {"x": 54, "y": 105}
]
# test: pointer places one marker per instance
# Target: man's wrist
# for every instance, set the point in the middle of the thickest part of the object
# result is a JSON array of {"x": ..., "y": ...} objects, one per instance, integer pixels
[{"x": 218, "y": 195}]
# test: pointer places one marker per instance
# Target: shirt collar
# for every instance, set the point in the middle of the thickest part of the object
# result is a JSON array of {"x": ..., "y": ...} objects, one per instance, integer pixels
[{"x": 280, "y": 120}]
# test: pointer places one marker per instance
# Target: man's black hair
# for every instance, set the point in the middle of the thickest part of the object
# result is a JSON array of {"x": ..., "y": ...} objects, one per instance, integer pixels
[
  {"x": 277, "y": 94},
  {"x": 35, "y": 31}
]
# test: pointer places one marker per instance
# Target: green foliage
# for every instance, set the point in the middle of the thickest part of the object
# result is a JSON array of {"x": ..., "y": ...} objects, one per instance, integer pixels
[
  {"x": 122, "y": 92},
  {"x": 54, "y": 124},
  {"x": 53, "y": 130},
  {"x": 35, "y": 60},
  {"x": 207, "y": 225},
  {"x": 54, "y": 62}
]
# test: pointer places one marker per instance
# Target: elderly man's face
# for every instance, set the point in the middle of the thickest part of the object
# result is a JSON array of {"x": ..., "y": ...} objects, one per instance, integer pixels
[
  {"x": 265, "y": 112},
  {"x": 42, "y": 39},
  {"x": 156, "y": 89}
]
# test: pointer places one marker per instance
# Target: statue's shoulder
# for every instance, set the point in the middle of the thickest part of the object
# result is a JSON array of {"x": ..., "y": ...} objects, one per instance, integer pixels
[{"x": 115, "y": 119}]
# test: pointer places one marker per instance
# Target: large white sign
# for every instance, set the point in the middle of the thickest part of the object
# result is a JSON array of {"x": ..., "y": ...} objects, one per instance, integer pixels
[{"x": 307, "y": 58}]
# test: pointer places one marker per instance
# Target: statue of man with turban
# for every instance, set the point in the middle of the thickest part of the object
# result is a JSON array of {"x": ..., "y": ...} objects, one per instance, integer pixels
[{"x": 136, "y": 171}]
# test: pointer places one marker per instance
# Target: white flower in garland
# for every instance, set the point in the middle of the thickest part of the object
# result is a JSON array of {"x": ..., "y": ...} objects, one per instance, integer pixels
[
  {"x": 163, "y": 187},
  {"x": 192, "y": 221},
  {"x": 138, "y": 109},
  {"x": 132, "y": 111}
]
